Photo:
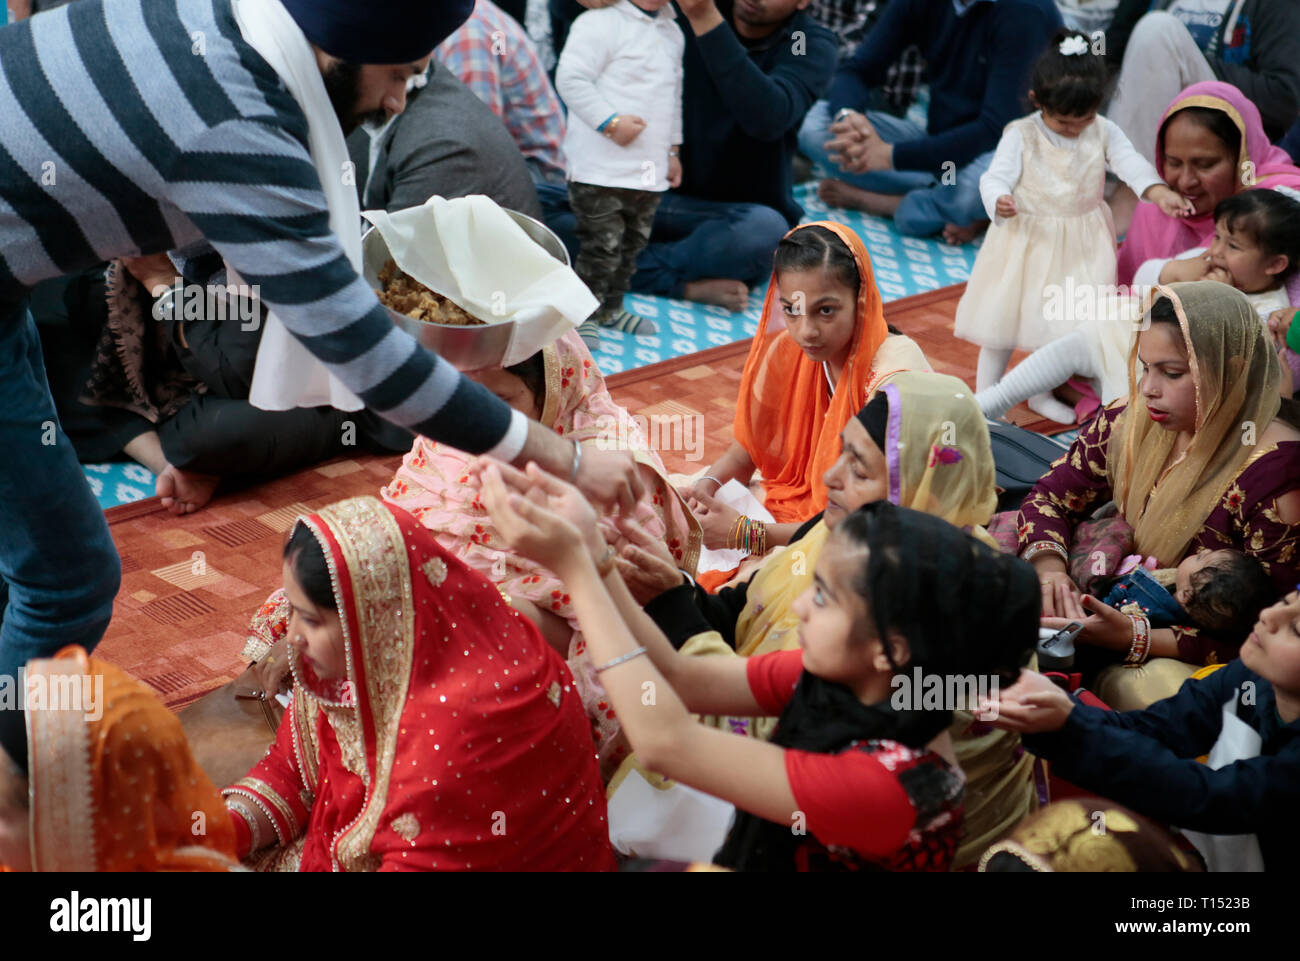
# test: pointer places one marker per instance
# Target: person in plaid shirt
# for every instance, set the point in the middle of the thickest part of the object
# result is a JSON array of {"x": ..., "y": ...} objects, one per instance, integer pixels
[
  {"x": 492, "y": 55},
  {"x": 851, "y": 21}
]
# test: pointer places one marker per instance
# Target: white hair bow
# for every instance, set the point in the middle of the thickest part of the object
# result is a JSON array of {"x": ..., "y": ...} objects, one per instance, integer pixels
[{"x": 1073, "y": 46}]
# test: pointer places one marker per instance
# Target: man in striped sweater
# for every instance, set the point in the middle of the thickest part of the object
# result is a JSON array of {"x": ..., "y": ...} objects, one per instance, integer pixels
[{"x": 137, "y": 126}]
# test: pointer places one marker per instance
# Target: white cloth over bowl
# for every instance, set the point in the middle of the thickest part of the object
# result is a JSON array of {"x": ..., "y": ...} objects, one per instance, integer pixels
[{"x": 472, "y": 252}]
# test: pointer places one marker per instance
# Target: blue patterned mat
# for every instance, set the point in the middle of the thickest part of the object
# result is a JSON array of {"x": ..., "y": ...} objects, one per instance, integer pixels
[{"x": 903, "y": 266}]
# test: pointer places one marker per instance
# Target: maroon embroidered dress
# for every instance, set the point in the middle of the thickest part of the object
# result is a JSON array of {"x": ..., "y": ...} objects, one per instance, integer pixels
[{"x": 1246, "y": 518}]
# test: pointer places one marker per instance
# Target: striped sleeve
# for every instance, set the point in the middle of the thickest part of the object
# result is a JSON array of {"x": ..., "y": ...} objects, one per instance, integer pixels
[{"x": 251, "y": 189}]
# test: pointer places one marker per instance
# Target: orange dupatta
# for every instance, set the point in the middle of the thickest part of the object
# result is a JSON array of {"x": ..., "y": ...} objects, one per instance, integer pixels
[
  {"x": 784, "y": 419},
  {"x": 113, "y": 784}
]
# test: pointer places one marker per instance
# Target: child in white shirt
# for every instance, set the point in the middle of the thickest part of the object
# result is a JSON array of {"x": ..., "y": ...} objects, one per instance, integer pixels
[{"x": 620, "y": 75}]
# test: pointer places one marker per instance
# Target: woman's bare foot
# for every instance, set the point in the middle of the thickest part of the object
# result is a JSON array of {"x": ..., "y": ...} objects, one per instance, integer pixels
[
  {"x": 952, "y": 234},
  {"x": 183, "y": 491},
  {"x": 837, "y": 193},
  {"x": 731, "y": 294}
]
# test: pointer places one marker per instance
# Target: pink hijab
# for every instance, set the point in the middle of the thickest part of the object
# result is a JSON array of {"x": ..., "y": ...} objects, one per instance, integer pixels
[{"x": 1152, "y": 233}]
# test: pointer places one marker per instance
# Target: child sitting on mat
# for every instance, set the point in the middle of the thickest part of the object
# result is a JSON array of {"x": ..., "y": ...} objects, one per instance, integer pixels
[{"x": 620, "y": 75}]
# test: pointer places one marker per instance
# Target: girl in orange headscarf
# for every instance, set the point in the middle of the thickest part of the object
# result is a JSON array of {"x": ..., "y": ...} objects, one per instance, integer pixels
[
  {"x": 113, "y": 786},
  {"x": 821, "y": 350}
]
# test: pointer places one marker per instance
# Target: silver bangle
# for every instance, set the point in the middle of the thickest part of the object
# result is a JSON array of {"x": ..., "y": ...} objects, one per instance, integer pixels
[
  {"x": 619, "y": 660},
  {"x": 842, "y": 113},
  {"x": 1041, "y": 547},
  {"x": 712, "y": 478},
  {"x": 577, "y": 461}
]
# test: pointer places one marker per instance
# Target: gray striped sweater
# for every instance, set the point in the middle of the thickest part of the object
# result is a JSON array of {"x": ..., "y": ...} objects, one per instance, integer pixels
[{"x": 136, "y": 126}]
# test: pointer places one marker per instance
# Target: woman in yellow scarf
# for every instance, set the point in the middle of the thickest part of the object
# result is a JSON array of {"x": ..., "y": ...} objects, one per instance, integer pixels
[{"x": 922, "y": 443}]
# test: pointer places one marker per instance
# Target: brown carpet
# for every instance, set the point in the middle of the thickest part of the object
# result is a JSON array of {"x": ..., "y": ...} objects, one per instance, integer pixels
[{"x": 190, "y": 584}]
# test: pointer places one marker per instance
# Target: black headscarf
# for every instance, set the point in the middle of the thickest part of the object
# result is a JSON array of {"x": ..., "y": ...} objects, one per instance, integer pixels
[
  {"x": 875, "y": 418},
  {"x": 962, "y": 608}
]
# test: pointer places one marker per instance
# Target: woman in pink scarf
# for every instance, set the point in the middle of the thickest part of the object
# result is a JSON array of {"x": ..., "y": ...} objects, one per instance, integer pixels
[
  {"x": 1204, "y": 167},
  {"x": 570, "y": 397}
]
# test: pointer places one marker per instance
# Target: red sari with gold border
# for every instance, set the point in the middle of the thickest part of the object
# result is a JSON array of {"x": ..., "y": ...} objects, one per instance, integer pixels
[{"x": 457, "y": 741}]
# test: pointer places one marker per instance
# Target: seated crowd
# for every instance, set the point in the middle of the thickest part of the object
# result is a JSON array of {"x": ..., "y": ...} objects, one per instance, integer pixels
[{"x": 484, "y": 667}]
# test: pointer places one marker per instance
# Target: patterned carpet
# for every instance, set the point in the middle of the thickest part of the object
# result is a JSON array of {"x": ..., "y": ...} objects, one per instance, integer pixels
[
  {"x": 904, "y": 266},
  {"x": 190, "y": 584}
]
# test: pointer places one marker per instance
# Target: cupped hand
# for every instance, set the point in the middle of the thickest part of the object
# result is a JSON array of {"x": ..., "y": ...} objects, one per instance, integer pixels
[
  {"x": 647, "y": 566},
  {"x": 1032, "y": 705},
  {"x": 540, "y": 516},
  {"x": 717, "y": 520}
]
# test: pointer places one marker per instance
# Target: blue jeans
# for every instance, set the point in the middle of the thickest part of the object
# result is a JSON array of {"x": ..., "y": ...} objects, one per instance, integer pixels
[
  {"x": 695, "y": 239},
  {"x": 691, "y": 239},
  {"x": 928, "y": 204},
  {"x": 59, "y": 570}
]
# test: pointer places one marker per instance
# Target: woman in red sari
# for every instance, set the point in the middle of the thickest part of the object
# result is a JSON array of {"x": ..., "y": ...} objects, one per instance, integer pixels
[{"x": 431, "y": 727}]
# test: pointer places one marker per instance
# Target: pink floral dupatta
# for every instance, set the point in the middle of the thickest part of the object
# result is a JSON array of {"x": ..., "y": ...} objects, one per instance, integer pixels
[
  {"x": 433, "y": 485},
  {"x": 1152, "y": 234}
]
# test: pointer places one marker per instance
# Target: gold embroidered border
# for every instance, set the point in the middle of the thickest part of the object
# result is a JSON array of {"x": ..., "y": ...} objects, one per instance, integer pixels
[
  {"x": 62, "y": 795},
  {"x": 376, "y": 557}
]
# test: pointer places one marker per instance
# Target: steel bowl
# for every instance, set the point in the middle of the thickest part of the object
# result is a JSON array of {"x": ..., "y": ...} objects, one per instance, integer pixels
[{"x": 465, "y": 348}]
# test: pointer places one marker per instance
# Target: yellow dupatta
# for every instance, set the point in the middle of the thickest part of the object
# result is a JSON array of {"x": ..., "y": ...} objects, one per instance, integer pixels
[{"x": 1235, "y": 373}]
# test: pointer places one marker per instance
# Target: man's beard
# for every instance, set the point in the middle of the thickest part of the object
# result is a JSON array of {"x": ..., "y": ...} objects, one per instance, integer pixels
[{"x": 343, "y": 85}]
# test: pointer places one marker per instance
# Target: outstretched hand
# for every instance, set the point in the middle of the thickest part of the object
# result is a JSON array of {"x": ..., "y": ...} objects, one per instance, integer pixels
[
  {"x": 647, "y": 567},
  {"x": 717, "y": 520},
  {"x": 1103, "y": 625},
  {"x": 1030, "y": 706},
  {"x": 540, "y": 516},
  {"x": 1170, "y": 201}
]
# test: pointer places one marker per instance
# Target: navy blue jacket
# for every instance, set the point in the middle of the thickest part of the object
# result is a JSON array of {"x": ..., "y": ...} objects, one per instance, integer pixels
[
  {"x": 978, "y": 66},
  {"x": 742, "y": 108},
  {"x": 1147, "y": 761}
]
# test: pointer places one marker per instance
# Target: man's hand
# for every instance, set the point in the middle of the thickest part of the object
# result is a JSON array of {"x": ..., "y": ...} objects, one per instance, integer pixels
[
  {"x": 856, "y": 147},
  {"x": 674, "y": 171},
  {"x": 702, "y": 14},
  {"x": 610, "y": 478},
  {"x": 627, "y": 129}
]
